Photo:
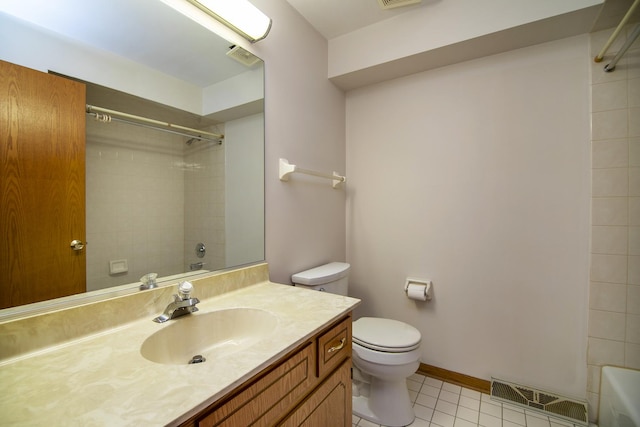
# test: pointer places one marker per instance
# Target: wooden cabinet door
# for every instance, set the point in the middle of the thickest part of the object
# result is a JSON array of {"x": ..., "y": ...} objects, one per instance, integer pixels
[
  {"x": 267, "y": 399},
  {"x": 42, "y": 185},
  {"x": 329, "y": 405}
]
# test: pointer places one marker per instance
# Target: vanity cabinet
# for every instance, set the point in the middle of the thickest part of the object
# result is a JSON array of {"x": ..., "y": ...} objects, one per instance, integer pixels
[{"x": 310, "y": 386}]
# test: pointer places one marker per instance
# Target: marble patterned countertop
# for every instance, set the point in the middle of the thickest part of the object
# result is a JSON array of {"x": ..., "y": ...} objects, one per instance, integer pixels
[{"x": 103, "y": 380}]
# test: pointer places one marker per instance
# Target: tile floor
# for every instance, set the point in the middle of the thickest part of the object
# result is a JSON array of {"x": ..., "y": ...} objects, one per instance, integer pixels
[{"x": 440, "y": 404}]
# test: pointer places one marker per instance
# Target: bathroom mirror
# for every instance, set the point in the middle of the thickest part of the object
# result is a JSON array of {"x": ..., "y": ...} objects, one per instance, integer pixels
[{"x": 146, "y": 59}]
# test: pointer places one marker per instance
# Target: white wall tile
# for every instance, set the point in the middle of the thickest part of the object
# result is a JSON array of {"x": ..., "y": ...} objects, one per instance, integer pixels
[
  {"x": 634, "y": 240},
  {"x": 610, "y": 154},
  {"x": 593, "y": 378},
  {"x": 611, "y": 240},
  {"x": 634, "y": 152},
  {"x": 632, "y": 356},
  {"x": 609, "y": 268},
  {"x": 633, "y": 299},
  {"x": 605, "y": 352},
  {"x": 607, "y": 325},
  {"x": 612, "y": 210},
  {"x": 592, "y": 407},
  {"x": 634, "y": 182},
  {"x": 608, "y": 296},
  {"x": 633, "y": 329},
  {"x": 609, "y": 96},
  {"x": 634, "y": 92},
  {"x": 610, "y": 124},
  {"x": 610, "y": 182},
  {"x": 634, "y": 122},
  {"x": 634, "y": 270},
  {"x": 610, "y": 342}
]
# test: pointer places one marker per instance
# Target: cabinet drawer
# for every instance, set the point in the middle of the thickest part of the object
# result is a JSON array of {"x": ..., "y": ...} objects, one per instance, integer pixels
[
  {"x": 264, "y": 401},
  {"x": 334, "y": 346}
]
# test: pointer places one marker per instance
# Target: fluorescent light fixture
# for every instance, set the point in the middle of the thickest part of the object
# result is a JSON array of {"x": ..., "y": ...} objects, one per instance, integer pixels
[{"x": 239, "y": 15}]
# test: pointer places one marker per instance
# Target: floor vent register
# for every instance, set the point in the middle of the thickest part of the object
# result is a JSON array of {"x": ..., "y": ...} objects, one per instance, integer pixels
[{"x": 542, "y": 401}]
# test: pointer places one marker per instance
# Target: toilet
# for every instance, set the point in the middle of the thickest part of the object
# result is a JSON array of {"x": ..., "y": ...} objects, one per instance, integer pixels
[{"x": 385, "y": 353}]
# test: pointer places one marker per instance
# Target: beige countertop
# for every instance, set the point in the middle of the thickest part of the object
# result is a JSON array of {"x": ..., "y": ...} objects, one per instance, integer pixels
[{"x": 102, "y": 379}]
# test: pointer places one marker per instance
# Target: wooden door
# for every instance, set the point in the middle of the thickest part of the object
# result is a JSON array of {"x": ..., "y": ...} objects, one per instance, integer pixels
[{"x": 42, "y": 188}]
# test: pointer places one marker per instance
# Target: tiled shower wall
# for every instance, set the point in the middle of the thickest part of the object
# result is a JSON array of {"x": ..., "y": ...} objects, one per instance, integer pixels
[
  {"x": 204, "y": 207},
  {"x": 140, "y": 186},
  {"x": 614, "y": 303}
]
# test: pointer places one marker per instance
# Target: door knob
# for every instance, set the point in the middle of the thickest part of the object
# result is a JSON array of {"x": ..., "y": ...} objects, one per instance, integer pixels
[{"x": 77, "y": 245}]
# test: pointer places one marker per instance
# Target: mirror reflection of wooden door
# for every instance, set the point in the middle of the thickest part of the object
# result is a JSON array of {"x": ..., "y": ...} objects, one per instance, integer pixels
[{"x": 42, "y": 186}]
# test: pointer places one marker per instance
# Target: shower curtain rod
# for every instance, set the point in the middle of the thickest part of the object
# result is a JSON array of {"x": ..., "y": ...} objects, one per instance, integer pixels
[
  {"x": 99, "y": 111},
  {"x": 615, "y": 34},
  {"x": 105, "y": 118},
  {"x": 632, "y": 38}
]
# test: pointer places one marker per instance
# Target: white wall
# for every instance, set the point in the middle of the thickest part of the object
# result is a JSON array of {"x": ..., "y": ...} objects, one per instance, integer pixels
[
  {"x": 305, "y": 123},
  {"x": 53, "y": 52},
  {"x": 436, "y": 25},
  {"x": 476, "y": 176},
  {"x": 244, "y": 229}
]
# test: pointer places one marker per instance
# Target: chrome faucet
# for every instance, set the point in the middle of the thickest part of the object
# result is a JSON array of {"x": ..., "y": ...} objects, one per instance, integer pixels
[{"x": 182, "y": 304}]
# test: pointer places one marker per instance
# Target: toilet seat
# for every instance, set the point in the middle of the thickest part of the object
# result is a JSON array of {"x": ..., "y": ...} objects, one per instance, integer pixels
[
  {"x": 385, "y": 358},
  {"x": 385, "y": 335}
]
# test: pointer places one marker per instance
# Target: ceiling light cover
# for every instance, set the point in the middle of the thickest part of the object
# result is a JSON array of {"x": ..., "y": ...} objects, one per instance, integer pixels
[{"x": 239, "y": 15}]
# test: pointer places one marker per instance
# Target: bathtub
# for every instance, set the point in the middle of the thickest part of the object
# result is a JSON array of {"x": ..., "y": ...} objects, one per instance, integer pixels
[{"x": 619, "y": 397}]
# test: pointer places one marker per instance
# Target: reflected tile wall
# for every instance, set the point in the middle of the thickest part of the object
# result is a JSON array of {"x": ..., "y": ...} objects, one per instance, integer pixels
[
  {"x": 204, "y": 192},
  {"x": 614, "y": 297},
  {"x": 135, "y": 198}
]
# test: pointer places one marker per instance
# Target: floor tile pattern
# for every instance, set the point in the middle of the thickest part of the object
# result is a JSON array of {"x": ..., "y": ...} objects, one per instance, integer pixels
[{"x": 441, "y": 404}]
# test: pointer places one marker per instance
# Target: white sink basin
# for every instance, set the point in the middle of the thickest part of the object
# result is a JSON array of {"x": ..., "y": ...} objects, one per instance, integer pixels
[{"x": 213, "y": 335}]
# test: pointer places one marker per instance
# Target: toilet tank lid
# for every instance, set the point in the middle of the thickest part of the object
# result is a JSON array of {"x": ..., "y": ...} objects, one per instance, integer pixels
[{"x": 323, "y": 274}]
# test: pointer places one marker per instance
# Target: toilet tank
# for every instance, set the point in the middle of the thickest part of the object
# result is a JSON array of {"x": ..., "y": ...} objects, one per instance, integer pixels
[{"x": 332, "y": 277}]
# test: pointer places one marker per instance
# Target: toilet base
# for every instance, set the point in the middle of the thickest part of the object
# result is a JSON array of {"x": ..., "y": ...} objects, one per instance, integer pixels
[{"x": 388, "y": 403}]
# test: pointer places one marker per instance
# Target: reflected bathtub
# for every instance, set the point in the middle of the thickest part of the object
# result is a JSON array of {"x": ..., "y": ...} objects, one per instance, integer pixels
[{"x": 619, "y": 397}]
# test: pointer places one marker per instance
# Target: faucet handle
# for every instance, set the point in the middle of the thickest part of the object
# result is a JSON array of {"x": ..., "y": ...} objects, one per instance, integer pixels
[{"x": 184, "y": 290}]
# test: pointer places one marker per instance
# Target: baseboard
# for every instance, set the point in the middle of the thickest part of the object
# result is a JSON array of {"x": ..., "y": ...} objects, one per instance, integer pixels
[{"x": 456, "y": 378}]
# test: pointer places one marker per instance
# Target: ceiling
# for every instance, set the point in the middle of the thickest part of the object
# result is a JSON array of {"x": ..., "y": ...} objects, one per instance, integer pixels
[
  {"x": 130, "y": 28},
  {"x": 333, "y": 18}
]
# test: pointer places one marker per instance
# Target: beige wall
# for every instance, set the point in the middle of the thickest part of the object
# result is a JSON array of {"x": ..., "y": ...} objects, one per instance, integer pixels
[
  {"x": 614, "y": 302},
  {"x": 305, "y": 123},
  {"x": 476, "y": 176}
]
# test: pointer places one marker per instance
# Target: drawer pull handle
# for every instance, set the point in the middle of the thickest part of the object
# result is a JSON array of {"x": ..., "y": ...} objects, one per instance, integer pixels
[{"x": 338, "y": 347}]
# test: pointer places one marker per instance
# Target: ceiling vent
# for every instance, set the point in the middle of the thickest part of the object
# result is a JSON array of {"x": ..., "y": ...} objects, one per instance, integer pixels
[
  {"x": 242, "y": 55},
  {"x": 390, "y": 4}
]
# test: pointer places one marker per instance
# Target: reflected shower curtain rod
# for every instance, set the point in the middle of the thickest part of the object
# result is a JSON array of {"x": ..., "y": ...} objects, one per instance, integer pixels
[{"x": 104, "y": 114}]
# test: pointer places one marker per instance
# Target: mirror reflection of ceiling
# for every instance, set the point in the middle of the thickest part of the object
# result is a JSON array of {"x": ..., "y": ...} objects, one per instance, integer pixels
[{"x": 180, "y": 48}]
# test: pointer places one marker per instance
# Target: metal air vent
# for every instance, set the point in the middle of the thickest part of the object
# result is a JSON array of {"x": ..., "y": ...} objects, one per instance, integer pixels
[
  {"x": 548, "y": 403},
  {"x": 242, "y": 55},
  {"x": 390, "y": 4}
]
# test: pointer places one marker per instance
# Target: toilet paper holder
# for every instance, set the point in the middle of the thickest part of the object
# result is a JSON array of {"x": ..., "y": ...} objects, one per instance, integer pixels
[{"x": 423, "y": 286}]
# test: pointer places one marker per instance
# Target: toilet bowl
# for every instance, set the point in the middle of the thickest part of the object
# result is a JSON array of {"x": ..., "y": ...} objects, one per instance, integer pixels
[
  {"x": 388, "y": 352},
  {"x": 385, "y": 352}
]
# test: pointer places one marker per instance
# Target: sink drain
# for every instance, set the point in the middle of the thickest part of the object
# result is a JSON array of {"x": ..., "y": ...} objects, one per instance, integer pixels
[{"x": 198, "y": 358}]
